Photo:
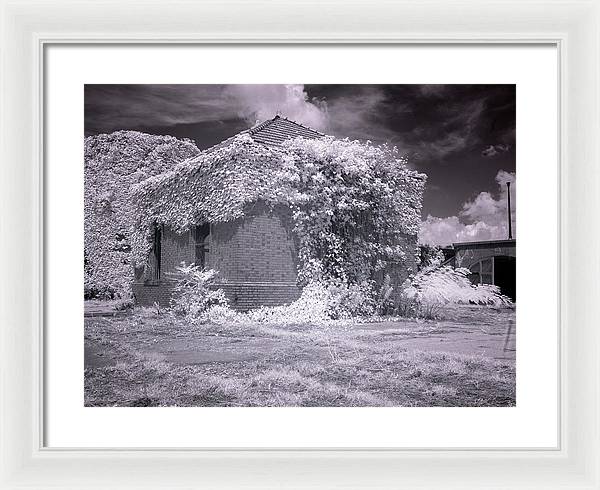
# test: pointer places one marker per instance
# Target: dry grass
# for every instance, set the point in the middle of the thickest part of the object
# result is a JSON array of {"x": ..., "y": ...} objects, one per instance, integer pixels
[{"x": 293, "y": 366}]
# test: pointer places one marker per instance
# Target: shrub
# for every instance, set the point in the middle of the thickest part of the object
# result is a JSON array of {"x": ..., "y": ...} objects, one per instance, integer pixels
[
  {"x": 433, "y": 287},
  {"x": 125, "y": 305},
  {"x": 349, "y": 301},
  {"x": 221, "y": 314},
  {"x": 192, "y": 295},
  {"x": 311, "y": 307},
  {"x": 319, "y": 303}
]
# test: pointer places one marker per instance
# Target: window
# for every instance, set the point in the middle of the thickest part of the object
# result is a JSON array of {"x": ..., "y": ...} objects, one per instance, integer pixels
[
  {"x": 482, "y": 272},
  {"x": 202, "y": 239},
  {"x": 155, "y": 257}
]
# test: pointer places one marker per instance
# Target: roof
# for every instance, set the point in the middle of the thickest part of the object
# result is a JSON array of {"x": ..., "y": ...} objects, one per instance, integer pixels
[
  {"x": 279, "y": 129},
  {"x": 273, "y": 132},
  {"x": 486, "y": 244}
]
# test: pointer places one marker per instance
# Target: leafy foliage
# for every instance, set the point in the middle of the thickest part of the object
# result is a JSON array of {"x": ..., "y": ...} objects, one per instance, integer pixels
[
  {"x": 319, "y": 304},
  {"x": 384, "y": 299},
  {"x": 353, "y": 204},
  {"x": 431, "y": 256},
  {"x": 113, "y": 162},
  {"x": 192, "y": 294}
]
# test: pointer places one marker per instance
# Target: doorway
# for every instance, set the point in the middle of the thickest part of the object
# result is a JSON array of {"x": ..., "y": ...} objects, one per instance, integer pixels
[{"x": 505, "y": 275}]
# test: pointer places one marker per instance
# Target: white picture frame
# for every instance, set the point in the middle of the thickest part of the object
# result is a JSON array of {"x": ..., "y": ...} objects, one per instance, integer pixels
[{"x": 573, "y": 27}]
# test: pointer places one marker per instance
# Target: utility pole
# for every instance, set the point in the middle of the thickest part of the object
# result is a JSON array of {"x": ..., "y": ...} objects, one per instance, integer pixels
[{"x": 509, "y": 213}]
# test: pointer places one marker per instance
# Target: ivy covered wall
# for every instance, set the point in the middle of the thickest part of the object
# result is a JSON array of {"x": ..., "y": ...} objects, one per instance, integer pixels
[{"x": 113, "y": 163}]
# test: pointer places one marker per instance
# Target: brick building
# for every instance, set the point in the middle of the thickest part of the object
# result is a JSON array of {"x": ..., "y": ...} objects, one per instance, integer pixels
[{"x": 252, "y": 244}]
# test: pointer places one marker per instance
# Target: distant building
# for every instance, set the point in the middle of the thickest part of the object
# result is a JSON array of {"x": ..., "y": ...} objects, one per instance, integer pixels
[{"x": 490, "y": 262}]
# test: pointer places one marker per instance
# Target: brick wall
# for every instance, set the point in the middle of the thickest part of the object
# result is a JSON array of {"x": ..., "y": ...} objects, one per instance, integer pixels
[
  {"x": 257, "y": 248},
  {"x": 243, "y": 297},
  {"x": 256, "y": 258},
  {"x": 246, "y": 296},
  {"x": 146, "y": 294}
]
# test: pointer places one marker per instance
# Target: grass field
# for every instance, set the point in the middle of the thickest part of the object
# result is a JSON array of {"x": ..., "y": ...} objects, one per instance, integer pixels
[{"x": 151, "y": 359}]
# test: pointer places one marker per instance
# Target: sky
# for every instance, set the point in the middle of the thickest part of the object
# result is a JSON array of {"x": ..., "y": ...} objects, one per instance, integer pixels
[{"x": 461, "y": 136}]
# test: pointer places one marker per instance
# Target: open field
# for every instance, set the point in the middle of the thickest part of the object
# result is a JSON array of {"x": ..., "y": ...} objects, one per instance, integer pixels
[{"x": 151, "y": 359}]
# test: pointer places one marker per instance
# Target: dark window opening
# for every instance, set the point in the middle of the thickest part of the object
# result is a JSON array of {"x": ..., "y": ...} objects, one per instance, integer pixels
[
  {"x": 202, "y": 240},
  {"x": 155, "y": 259}
]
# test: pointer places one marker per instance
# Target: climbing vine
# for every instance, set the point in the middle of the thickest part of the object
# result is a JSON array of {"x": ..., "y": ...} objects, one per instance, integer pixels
[
  {"x": 213, "y": 187},
  {"x": 354, "y": 204},
  {"x": 112, "y": 163}
]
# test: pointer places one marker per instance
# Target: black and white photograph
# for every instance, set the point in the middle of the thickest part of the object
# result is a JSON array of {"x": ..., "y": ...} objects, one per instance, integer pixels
[{"x": 300, "y": 245}]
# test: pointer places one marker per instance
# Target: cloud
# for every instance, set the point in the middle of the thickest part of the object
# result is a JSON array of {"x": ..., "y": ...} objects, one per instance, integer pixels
[
  {"x": 483, "y": 218},
  {"x": 493, "y": 150},
  {"x": 358, "y": 115},
  {"x": 428, "y": 123},
  {"x": 404, "y": 118},
  {"x": 112, "y": 107},
  {"x": 432, "y": 90},
  {"x": 457, "y": 128},
  {"x": 259, "y": 102}
]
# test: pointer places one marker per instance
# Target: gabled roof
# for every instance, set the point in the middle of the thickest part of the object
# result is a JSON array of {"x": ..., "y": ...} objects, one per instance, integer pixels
[
  {"x": 279, "y": 129},
  {"x": 273, "y": 132}
]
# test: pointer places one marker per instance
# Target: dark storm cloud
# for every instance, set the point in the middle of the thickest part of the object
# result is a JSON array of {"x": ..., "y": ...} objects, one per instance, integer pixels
[{"x": 427, "y": 122}]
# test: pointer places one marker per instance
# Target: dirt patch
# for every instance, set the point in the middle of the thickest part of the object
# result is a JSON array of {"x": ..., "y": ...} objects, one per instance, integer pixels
[{"x": 210, "y": 349}]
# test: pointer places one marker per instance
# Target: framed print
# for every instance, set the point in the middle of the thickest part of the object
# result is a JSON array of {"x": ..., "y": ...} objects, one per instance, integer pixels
[{"x": 259, "y": 250}]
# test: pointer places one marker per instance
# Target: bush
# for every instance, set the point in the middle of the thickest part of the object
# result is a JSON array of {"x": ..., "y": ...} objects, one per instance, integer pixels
[
  {"x": 192, "y": 295},
  {"x": 322, "y": 301},
  {"x": 311, "y": 307},
  {"x": 434, "y": 287},
  {"x": 431, "y": 256},
  {"x": 319, "y": 303},
  {"x": 349, "y": 301}
]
